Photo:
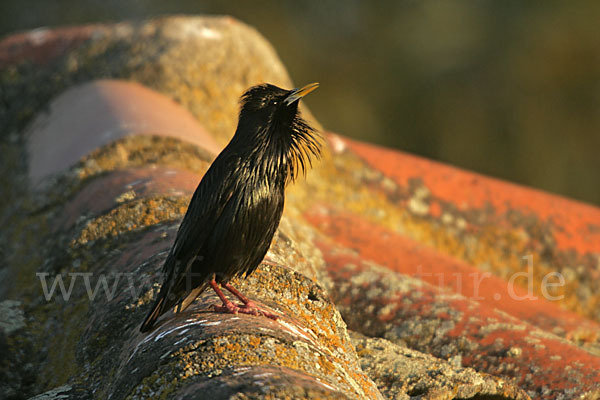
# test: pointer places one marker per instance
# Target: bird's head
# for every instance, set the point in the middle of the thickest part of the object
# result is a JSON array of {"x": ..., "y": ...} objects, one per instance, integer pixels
[
  {"x": 270, "y": 121},
  {"x": 268, "y": 105}
]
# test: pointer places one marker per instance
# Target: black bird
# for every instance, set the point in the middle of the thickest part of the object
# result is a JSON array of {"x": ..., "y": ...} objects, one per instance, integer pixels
[{"x": 236, "y": 208}]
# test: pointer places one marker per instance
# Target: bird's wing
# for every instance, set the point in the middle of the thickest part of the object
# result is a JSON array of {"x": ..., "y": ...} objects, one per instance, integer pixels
[
  {"x": 243, "y": 232},
  {"x": 205, "y": 208}
]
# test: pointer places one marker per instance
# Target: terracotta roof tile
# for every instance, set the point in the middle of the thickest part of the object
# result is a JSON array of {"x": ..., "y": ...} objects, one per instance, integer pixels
[{"x": 412, "y": 251}]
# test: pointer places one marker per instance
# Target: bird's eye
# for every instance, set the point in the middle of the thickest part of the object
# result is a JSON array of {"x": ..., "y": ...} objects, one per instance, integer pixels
[{"x": 275, "y": 102}]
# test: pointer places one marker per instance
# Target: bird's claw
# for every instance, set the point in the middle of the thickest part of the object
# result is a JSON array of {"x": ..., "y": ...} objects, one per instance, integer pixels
[{"x": 256, "y": 310}]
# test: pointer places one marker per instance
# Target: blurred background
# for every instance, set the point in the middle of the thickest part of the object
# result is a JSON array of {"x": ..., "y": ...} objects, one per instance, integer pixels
[{"x": 505, "y": 88}]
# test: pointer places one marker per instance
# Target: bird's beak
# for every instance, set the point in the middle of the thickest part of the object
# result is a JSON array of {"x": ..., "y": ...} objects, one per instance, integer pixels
[{"x": 297, "y": 94}]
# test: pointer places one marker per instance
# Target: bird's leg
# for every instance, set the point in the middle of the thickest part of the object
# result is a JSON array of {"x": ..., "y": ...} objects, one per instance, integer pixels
[
  {"x": 228, "y": 306},
  {"x": 237, "y": 293},
  {"x": 249, "y": 306}
]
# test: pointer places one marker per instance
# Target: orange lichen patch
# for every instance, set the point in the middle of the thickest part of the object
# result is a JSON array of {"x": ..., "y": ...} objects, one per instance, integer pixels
[
  {"x": 431, "y": 320},
  {"x": 222, "y": 352},
  {"x": 210, "y": 357},
  {"x": 143, "y": 151},
  {"x": 402, "y": 254},
  {"x": 132, "y": 216},
  {"x": 575, "y": 225},
  {"x": 313, "y": 317}
]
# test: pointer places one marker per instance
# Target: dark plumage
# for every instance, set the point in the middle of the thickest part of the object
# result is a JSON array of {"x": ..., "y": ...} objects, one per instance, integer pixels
[{"x": 236, "y": 208}]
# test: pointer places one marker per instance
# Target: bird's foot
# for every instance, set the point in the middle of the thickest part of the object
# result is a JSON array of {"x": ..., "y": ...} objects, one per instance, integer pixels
[
  {"x": 250, "y": 308},
  {"x": 227, "y": 308},
  {"x": 256, "y": 310}
]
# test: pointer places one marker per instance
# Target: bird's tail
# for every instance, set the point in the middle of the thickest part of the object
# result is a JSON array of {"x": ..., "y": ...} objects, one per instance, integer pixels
[
  {"x": 157, "y": 310},
  {"x": 190, "y": 297}
]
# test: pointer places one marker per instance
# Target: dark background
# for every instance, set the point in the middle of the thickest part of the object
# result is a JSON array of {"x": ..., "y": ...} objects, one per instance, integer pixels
[{"x": 505, "y": 88}]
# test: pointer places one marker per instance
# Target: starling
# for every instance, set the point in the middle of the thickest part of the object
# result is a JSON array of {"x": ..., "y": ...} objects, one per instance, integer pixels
[{"x": 236, "y": 208}]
